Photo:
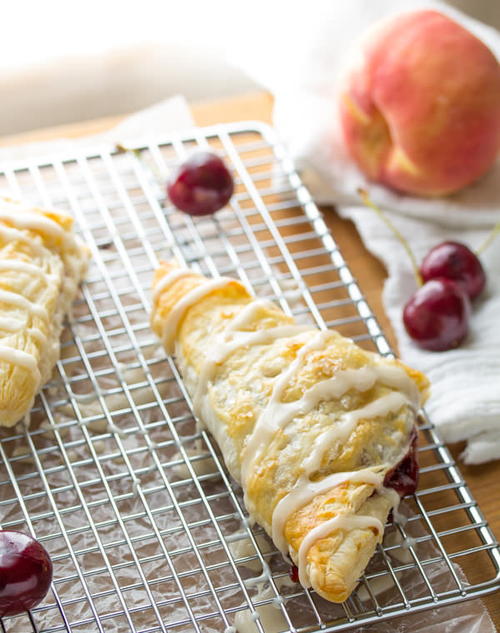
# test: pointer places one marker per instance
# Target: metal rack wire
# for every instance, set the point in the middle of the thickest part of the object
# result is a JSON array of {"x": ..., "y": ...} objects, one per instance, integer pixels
[{"x": 146, "y": 531}]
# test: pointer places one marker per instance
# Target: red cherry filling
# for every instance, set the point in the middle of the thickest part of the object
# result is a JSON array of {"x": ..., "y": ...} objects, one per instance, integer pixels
[
  {"x": 25, "y": 573},
  {"x": 201, "y": 185},
  {"x": 403, "y": 478},
  {"x": 293, "y": 572}
]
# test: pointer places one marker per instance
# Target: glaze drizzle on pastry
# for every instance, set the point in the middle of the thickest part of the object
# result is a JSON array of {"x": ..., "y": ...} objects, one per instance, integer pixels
[
  {"x": 288, "y": 401},
  {"x": 192, "y": 297},
  {"x": 31, "y": 240}
]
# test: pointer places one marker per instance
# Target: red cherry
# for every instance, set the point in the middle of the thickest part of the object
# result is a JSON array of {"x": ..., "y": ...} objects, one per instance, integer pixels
[
  {"x": 25, "y": 573},
  {"x": 201, "y": 185},
  {"x": 437, "y": 316},
  {"x": 457, "y": 262},
  {"x": 293, "y": 572}
]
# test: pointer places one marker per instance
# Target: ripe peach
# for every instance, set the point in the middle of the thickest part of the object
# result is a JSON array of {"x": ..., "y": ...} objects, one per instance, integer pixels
[{"x": 420, "y": 110}]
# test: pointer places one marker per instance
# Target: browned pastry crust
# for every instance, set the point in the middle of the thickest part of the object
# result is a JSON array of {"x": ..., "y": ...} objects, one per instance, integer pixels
[{"x": 279, "y": 438}]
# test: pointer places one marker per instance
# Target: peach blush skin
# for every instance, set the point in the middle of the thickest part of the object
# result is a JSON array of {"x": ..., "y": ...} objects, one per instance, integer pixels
[{"x": 421, "y": 112}]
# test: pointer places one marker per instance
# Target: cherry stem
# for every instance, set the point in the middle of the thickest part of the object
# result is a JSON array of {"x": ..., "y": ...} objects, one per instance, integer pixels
[
  {"x": 123, "y": 149},
  {"x": 494, "y": 233},
  {"x": 363, "y": 194}
]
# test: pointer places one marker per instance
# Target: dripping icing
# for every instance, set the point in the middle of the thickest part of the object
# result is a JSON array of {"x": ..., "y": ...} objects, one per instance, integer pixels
[
  {"x": 10, "y": 325},
  {"x": 21, "y": 302},
  {"x": 25, "y": 267},
  {"x": 271, "y": 419},
  {"x": 277, "y": 414},
  {"x": 224, "y": 349},
  {"x": 305, "y": 490},
  {"x": 189, "y": 299},
  {"x": 341, "y": 430},
  {"x": 232, "y": 338},
  {"x": 342, "y": 522},
  {"x": 26, "y": 219},
  {"x": 169, "y": 279},
  {"x": 17, "y": 357},
  {"x": 11, "y": 235},
  {"x": 247, "y": 315}
]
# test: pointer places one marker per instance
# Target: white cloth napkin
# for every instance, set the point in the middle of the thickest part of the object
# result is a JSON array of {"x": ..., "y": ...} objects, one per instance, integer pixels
[{"x": 302, "y": 71}]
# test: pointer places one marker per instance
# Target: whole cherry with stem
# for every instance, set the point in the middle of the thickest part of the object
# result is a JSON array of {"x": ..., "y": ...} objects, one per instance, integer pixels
[
  {"x": 457, "y": 262},
  {"x": 437, "y": 315}
]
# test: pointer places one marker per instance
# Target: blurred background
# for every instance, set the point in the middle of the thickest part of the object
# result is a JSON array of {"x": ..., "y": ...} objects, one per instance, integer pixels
[{"x": 63, "y": 61}]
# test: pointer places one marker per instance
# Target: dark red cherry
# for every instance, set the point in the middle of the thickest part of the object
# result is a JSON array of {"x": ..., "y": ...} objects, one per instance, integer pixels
[
  {"x": 437, "y": 316},
  {"x": 457, "y": 262},
  {"x": 403, "y": 478},
  {"x": 293, "y": 572},
  {"x": 25, "y": 573},
  {"x": 201, "y": 185}
]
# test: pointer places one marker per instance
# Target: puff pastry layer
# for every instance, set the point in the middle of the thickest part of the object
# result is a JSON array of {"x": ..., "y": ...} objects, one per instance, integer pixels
[
  {"x": 308, "y": 423},
  {"x": 41, "y": 264}
]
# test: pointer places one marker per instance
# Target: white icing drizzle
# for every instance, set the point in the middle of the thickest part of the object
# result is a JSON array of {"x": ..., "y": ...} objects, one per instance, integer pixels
[
  {"x": 341, "y": 430},
  {"x": 17, "y": 357},
  {"x": 222, "y": 350},
  {"x": 305, "y": 490},
  {"x": 11, "y": 325},
  {"x": 277, "y": 414},
  {"x": 136, "y": 482},
  {"x": 264, "y": 576},
  {"x": 398, "y": 516},
  {"x": 246, "y": 315},
  {"x": 114, "y": 429},
  {"x": 340, "y": 522},
  {"x": 391, "y": 402},
  {"x": 36, "y": 333},
  {"x": 409, "y": 541},
  {"x": 232, "y": 338},
  {"x": 24, "y": 218},
  {"x": 189, "y": 299},
  {"x": 25, "y": 267},
  {"x": 169, "y": 279},
  {"x": 393, "y": 498},
  {"x": 11, "y": 235},
  {"x": 396, "y": 377},
  {"x": 21, "y": 302}
]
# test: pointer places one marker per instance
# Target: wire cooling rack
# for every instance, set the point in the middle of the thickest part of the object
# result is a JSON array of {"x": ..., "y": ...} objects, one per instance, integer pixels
[{"x": 145, "y": 529}]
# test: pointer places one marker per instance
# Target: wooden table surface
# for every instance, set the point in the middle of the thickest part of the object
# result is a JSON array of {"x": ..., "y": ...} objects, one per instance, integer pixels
[{"x": 483, "y": 480}]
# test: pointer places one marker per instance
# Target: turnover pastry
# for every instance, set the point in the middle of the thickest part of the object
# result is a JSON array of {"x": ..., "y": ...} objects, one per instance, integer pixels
[
  {"x": 41, "y": 264},
  {"x": 319, "y": 433}
]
